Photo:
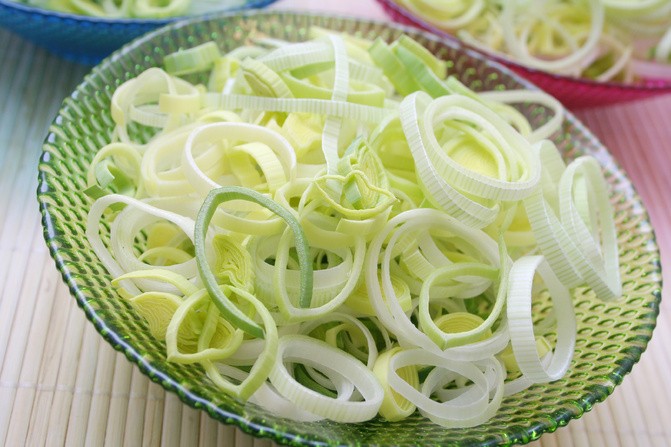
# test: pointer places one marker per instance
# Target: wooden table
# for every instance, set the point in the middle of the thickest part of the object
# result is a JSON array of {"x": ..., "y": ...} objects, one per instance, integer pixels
[{"x": 60, "y": 384}]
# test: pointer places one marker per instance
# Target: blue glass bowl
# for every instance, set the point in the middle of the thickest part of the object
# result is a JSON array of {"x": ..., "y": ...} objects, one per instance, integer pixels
[{"x": 81, "y": 38}]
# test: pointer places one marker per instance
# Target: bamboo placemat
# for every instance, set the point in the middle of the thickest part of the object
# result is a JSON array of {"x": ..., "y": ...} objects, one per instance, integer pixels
[{"x": 60, "y": 384}]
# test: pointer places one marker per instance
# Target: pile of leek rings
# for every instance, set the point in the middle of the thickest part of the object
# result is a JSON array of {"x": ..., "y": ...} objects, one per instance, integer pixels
[
  {"x": 604, "y": 40},
  {"x": 340, "y": 229}
]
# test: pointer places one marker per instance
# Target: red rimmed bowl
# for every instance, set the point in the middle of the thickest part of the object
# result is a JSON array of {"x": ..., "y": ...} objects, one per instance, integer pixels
[{"x": 574, "y": 93}]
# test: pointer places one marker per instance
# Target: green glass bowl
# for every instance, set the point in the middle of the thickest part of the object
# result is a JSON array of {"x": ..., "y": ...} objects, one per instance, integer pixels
[{"x": 611, "y": 336}]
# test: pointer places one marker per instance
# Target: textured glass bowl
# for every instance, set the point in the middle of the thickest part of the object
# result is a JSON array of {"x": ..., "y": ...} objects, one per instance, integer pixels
[
  {"x": 611, "y": 336},
  {"x": 81, "y": 38},
  {"x": 573, "y": 92}
]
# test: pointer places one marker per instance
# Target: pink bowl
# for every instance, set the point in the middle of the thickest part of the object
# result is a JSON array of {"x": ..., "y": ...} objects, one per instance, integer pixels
[{"x": 574, "y": 93}]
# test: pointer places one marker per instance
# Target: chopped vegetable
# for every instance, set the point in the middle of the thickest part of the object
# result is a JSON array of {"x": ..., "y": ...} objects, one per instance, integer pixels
[
  {"x": 340, "y": 229},
  {"x": 604, "y": 40}
]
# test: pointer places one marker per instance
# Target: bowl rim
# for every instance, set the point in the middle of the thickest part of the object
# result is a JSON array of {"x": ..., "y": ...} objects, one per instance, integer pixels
[
  {"x": 123, "y": 21},
  {"x": 652, "y": 87},
  {"x": 592, "y": 395}
]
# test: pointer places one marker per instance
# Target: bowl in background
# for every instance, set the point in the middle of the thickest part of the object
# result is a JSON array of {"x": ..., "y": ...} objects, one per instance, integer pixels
[
  {"x": 80, "y": 38},
  {"x": 574, "y": 93}
]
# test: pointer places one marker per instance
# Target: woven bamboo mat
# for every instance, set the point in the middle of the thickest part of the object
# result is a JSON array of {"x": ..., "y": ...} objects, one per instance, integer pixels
[{"x": 60, "y": 384}]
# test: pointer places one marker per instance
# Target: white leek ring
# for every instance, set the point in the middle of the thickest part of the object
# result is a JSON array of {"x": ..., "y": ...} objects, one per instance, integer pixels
[
  {"x": 328, "y": 360},
  {"x": 521, "y": 326}
]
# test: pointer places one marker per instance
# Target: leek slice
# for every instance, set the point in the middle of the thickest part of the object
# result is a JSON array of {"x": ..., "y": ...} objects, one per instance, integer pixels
[
  {"x": 228, "y": 309},
  {"x": 331, "y": 362},
  {"x": 395, "y": 407},
  {"x": 521, "y": 324},
  {"x": 192, "y": 60},
  {"x": 484, "y": 395},
  {"x": 264, "y": 360},
  {"x": 357, "y": 112},
  {"x": 216, "y": 132},
  {"x": 230, "y": 339}
]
